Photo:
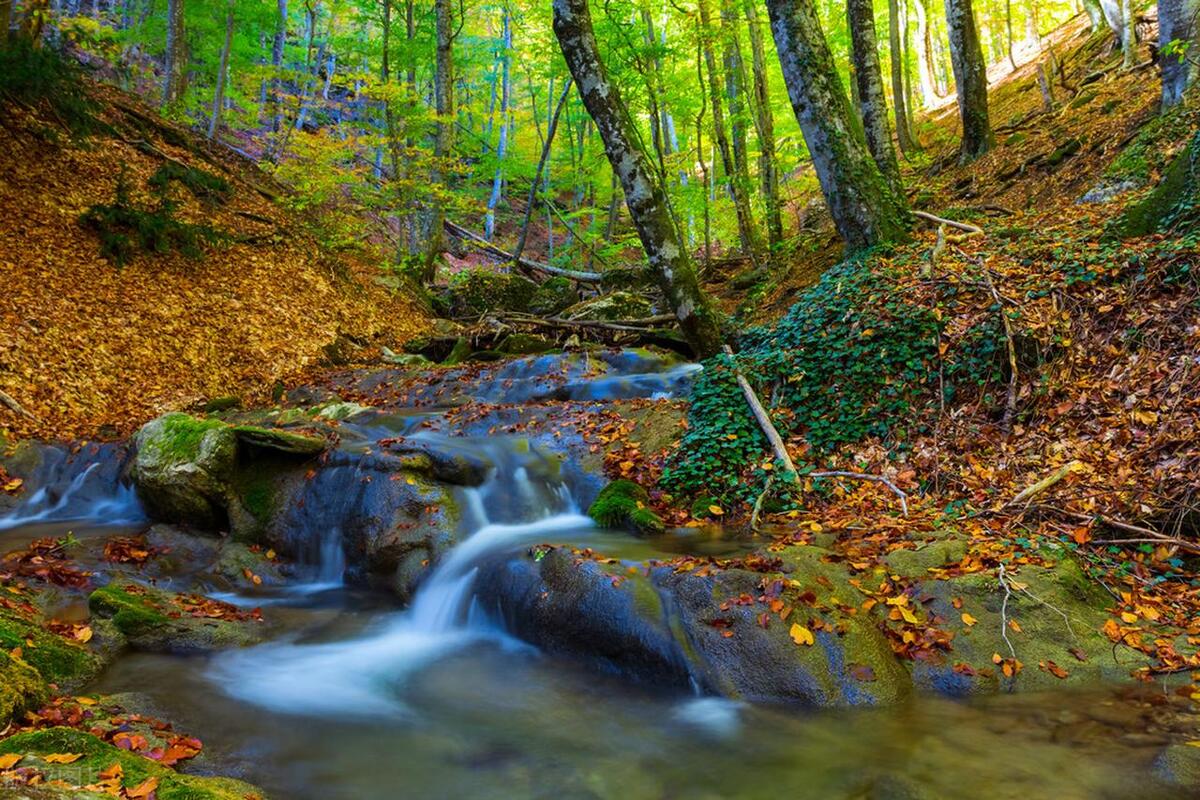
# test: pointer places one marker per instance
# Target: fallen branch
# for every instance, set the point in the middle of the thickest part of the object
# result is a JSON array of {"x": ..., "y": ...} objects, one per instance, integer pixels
[
  {"x": 1010, "y": 403},
  {"x": 8, "y": 400},
  {"x": 962, "y": 226},
  {"x": 1145, "y": 535},
  {"x": 1044, "y": 484},
  {"x": 758, "y": 503},
  {"x": 764, "y": 420},
  {"x": 863, "y": 476},
  {"x": 558, "y": 323},
  {"x": 494, "y": 251}
]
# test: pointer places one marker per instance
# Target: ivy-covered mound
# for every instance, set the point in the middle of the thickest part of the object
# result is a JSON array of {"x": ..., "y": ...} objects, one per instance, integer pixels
[{"x": 857, "y": 356}]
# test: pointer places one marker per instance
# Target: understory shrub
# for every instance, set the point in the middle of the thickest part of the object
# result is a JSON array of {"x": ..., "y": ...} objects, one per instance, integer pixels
[{"x": 49, "y": 82}]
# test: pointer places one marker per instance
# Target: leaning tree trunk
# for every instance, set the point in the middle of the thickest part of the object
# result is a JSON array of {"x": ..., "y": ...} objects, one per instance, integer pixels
[
  {"x": 443, "y": 140},
  {"x": 173, "y": 68},
  {"x": 970, "y": 79},
  {"x": 869, "y": 76},
  {"x": 747, "y": 231},
  {"x": 1177, "y": 21},
  {"x": 644, "y": 196},
  {"x": 223, "y": 72},
  {"x": 865, "y": 209},
  {"x": 899, "y": 102},
  {"x": 764, "y": 127}
]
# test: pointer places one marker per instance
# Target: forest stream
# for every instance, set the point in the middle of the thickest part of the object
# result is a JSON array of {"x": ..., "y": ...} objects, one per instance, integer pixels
[{"x": 354, "y": 696}]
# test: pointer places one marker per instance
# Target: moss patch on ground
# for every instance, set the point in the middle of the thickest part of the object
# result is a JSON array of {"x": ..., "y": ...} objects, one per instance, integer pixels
[
  {"x": 623, "y": 505},
  {"x": 56, "y": 659}
]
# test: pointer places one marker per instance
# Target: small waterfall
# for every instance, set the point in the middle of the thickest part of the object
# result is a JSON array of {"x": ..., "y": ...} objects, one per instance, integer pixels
[
  {"x": 521, "y": 504},
  {"x": 77, "y": 491}
]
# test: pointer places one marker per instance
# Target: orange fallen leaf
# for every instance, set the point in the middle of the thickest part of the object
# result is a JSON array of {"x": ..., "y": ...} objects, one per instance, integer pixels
[
  {"x": 143, "y": 790},
  {"x": 62, "y": 758},
  {"x": 968, "y": 619},
  {"x": 801, "y": 635},
  {"x": 9, "y": 760}
]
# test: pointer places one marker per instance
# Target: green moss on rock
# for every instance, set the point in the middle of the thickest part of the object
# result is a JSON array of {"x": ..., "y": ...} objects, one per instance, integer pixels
[
  {"x": 21, "y": 687},
  {"x": 478, "y": 291},
  {"x": 153, "y": 620},
  {"x": 97, "y": 755},
  {"x": 56, "y": 659},
  {"x": 623, "y": 505},
  {"x": 553, "y": 296}
]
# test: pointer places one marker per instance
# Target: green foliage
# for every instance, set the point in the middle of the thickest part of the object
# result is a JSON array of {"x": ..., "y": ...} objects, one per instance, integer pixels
[
  {"x": 855, "y": 357},
  {"x": 203, "y": 185},
  {"x": 126, "y": 229},
  {"x": 1146, "y": 154},
  {"x": 49, "y": 82},
  {"x": 623, "y": 505}
]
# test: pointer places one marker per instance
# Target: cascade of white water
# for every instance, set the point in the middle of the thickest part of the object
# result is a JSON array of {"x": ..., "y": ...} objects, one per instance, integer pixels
[{"x": 115, "y": 505}]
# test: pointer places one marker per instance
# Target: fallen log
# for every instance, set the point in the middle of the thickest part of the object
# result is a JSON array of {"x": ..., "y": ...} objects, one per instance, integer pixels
[{"x": 483, "y": 244}]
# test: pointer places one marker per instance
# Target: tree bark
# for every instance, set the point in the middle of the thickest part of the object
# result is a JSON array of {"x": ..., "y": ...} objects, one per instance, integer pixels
[
  {"x": 764, "y": 125},
  {"x": 174, "y": 66},
  {"x": 443, "y": 140},
  {"x": 899, "y": 103},
  {"x": 219, "y": 94},
  {"x": 277, "y": 48},
  {"x": 860, "y": 15},
  {"x": 644, "y": 196},
  {"x": 970, "y": 80},
  {"x": 489, "y": 225},
  {"x": 1115, "y": 17},
  {"x": 925, "y": 75},
  {"x": 6, "y": 7},
  {"x": 547, "y": 145},
  {"x": 735, "y": 90},
  {"x": 748, "y": 233},
  {"x": 1177, "y": 21},
  {"x": 865, "y": 209}
]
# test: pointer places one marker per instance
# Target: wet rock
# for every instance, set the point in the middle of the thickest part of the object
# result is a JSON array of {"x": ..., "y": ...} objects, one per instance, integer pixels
[
  {"x": 29, "y": 644},
  {"x": 22, "y": 687},
  {"x": 280, "y": 441},
  {"x": 1107, "y": 189},
  {"x": 1179, "y": 765},
  {"x": 522, "y": 344},
  {"x": 157, "y": 621},
  {"x": 182, "y": 468},
  {"x": 931, "y": 555},
  {"x": 623, "y": 505}
]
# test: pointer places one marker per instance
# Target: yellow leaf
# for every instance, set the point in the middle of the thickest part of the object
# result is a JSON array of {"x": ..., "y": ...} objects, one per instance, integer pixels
[
  {"x": 801, "y": 635},
  {"x": 62, "y": 758},
  {"x": 9, "y": 761},
  {"x": 84, "y": 634},
  {"x": 767, "y": 466},
  {"x": 908, "y": 615},
  {"x": 968, "y": 619},
  {"x": 13, "y": 485},
  {"x": 85, "y": 701},
  {"x": 716, "y": 511},
  {"x": 1128, "y": 618}
]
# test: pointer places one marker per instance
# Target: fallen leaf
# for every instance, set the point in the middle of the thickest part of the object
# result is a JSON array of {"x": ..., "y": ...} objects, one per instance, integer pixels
[
  {"x": 10, "y": 760},
  {"x": 62, "y": 758},
  {"x": 143, "y": 790},
  {"x": 968, "y": 619},
  {"x": 801, "y": 635}
]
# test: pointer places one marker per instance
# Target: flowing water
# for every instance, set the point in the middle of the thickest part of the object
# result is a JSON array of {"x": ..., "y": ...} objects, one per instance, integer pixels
[{"x": 355, "y": 699}]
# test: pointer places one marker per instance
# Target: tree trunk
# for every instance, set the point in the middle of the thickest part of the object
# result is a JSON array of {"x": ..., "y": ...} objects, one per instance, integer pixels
[
  {"x": 751, "y": 243},
  {"x": 864, "y": 208},
  {"x": 277, "y": 47},
  {"x": 925, "y": 76},
  {"x": 735, "y": 90},
  {"x": 219, "y": 94},
  {"x": 1012, "y": 59},
  {"x": 644, "y": 196},
  {"x": 860, "y": 15},
  {"x": 174, "y": 66},
  {"x": 489, "y": 224},
  {"x": 970, "y": 79},
  {"x": 6, "y": 7},
  {"x": 1115, "y": 18},
  {"x": 1177, "y": 22},
  {"x": 443, "y": 140},
  {"x": 764, "y": 125},
  {"x": 903, "y": 130},
  {"x": 1095, "y": 15}
]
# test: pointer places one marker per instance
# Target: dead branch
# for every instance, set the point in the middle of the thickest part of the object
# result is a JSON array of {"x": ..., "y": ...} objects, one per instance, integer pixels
[
  {"x": 494, "y": 251},
  {"x": 8, "y": 400},
  {"x": 758, "y": 503},
  {"x": 962, "y": 226},
  {"x": 863, "y": 476},
  {"x": 764, "y": 420},
  {"x": 1044, "y": 484},
  {"x": 1010, "y": 403},
  {"x": 558, "y": 323},
  {"x": 1144, "y": 535}
]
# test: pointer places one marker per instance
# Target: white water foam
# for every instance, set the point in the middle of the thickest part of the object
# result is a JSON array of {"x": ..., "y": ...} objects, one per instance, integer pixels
[{"x": 119, "y": 507}]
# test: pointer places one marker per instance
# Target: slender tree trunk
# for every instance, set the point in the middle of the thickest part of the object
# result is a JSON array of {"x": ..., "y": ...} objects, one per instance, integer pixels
[
  {"x": 222, "y": 73},
  {"x": 174, "y": 66},
  {"x": 6, "y": 7},
  {"x": 735, "y": 90},
  {"x": 547, "y": 145},
  {"x": 970, "y": 79},
  {"x": 764, "y": 124},
  {"x": 925, "y": 75},
  {"x": 1095, "y": 15},
  {"x": 865, "y": 209},
  {"x": 747, "y": 231},
  {"x": 704, "y": 178},
  {"x": 1012, "y": 59},
  {"x": 644, "y": 196},
  {"x": 860, "y": 15},
  {"x": 489, "y": 224},
  {"x": 1115, "y": 17},
  {"x": 1178, "y": 22},
  {"x": 1129, "y": 42},
  {"x": 903, "y": 131},
  {"x": 277, "y": 47},
  {"x": 443, "y": 140}
]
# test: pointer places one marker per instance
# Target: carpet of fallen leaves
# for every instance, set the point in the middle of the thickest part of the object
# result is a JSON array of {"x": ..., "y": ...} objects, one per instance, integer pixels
[{"x": 87, "y": 349}]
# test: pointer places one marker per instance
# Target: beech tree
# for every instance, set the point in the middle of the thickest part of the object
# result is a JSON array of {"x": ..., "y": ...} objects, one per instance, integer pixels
[
  {"x": 970, "y": 78},
  {"x": 872, "y": 107},
  {"x": 865, "y": 208},
  {"x": 1178, "y": 23},
  {"x": 644, "y": 196},
  {"x": 174, "y": 67}
]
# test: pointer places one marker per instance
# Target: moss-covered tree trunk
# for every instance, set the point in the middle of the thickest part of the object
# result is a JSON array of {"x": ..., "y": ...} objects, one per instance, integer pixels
[
  {"x": 865, "y": 209},
  {"x": 898, "y": 61},
  {"x": 872, "y": 107},
  {"x": 970, "y": 78},
  {"x": 222, "y": 74},
  {"x": 764, "y": 126},
  {"x": 1178, "y": 22},
  {"x": 174, "y": 66},
  {"x": 1173, "y": 201},
  {"x": 644, "y": 196}
]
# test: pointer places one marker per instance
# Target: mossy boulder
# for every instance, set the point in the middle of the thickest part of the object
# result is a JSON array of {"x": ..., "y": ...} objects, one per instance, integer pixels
[
  {"x": 1179, "y": 765},
  {"x": 58, "y": 660},
  {"x": 478, "y": 291},
  {"x": 524, "y": 344},
  {"x": 182, "y": 467},
  {"x": 623, "y": 505},
  {"x": 96, "y": 755},
  {"x": 22, "y": 687},
  {"x": 553, "y": 296},
  {"x": 154, "y": 620},
  {"x": 916, "y": 563}
]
